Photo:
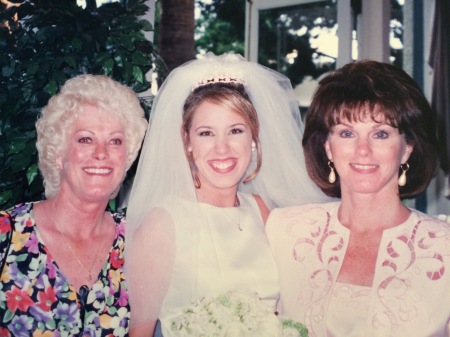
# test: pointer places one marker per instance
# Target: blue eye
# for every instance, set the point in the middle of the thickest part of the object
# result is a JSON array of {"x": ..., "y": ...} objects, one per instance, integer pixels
[
  {"x": 381, "y": 134},
  {"x": 346, "y": 134}
]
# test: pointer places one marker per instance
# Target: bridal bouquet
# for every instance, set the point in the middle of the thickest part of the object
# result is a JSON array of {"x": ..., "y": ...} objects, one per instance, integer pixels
[{"x": 234, "y": 314}]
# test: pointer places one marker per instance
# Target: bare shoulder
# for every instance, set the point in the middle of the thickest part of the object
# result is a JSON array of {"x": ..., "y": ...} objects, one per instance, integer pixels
[
  {"x": 262, "y": 207},
  {"x": 156, "y": 226}
]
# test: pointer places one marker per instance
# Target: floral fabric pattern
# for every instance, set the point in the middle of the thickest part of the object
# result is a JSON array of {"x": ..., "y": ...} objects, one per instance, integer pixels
[{"x": 37, "y": 300}]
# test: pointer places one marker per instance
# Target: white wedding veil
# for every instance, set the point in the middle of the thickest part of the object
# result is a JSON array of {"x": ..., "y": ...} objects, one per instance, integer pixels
[
  {"x": 163, "y": 169},
  {"x": 164, "y": 172}
]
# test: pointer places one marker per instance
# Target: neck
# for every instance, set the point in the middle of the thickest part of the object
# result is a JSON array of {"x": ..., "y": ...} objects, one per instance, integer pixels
[
  {"x": 70, "y": 217},
  {"x": 364, "y": 213},
  {"x": 219, "y": 198}
]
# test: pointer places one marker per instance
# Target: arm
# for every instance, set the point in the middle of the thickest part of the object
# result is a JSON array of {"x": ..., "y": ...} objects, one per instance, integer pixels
[
  {"x": 149, "y": 264},
  {"x": 5, "y": 237},
  {"x": 262, "y": 208},
  {"x": 145, "y": 329}
]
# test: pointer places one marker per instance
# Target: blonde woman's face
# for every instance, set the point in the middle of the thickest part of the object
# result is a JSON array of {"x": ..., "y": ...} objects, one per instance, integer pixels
[
  {"x": 94, "y": 162},
  {"x": 220, "y": 142}
]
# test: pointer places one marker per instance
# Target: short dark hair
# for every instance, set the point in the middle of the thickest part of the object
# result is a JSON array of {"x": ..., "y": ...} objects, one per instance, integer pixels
[{"x": 368, "y": 87}]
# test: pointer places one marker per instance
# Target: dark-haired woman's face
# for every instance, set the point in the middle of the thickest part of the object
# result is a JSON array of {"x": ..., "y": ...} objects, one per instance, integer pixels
[{"x": 367, "y": 155}]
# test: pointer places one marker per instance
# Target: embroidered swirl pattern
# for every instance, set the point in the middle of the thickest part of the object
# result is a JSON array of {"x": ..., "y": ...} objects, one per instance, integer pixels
[
  {"x": 326, "y": 245},
  {"x": 411, "y": 257}
]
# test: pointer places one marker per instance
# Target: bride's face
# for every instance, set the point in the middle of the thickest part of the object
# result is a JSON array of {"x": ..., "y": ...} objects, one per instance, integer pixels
[{"x": 220, "y": 142}]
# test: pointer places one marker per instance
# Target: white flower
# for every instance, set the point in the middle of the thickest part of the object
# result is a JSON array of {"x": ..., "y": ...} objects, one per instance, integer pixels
[
  {"x": 239, "y": 313},
  {"x": 235, "y": 329},
  {"x": 271, "y": 326}
]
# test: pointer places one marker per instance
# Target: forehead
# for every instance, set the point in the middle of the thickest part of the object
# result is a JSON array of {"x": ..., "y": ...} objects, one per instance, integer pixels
[
  {"x": 360, "y": 113},
  {"x": 216, "y": 111},
  {"x": 96, "y": 117}
]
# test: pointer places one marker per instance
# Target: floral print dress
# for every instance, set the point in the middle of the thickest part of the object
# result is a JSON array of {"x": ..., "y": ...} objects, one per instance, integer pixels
[{"x": 37, "y": 300}]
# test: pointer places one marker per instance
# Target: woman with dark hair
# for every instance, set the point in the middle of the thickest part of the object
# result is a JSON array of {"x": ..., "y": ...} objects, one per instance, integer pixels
[{"x": 367, "y": 265}]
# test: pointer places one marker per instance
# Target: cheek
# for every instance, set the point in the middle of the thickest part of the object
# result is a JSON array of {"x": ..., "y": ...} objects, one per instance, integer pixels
[
  {"x": 72, "y": 155},
  {"x": 246, "y": 149},
  {"x": 122, "y": 152},
  {"x": 395, "y": 152},
  {"x": 122, "y": 158},
  {"x": 199, "y": 148}
]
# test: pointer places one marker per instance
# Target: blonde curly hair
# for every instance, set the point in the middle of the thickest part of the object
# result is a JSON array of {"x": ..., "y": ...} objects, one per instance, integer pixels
[{"x": 63, "y": 110}]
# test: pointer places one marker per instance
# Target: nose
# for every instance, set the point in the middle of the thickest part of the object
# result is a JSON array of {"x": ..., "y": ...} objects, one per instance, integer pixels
[
  {"x": 363, "y": 147},
  {"x": 100, "y": 151},
  {"x": 222, "y": 145}
]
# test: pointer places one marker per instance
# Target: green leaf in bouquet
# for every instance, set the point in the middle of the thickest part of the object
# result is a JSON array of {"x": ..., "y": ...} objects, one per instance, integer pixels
[{"x": 288, "y": 323}]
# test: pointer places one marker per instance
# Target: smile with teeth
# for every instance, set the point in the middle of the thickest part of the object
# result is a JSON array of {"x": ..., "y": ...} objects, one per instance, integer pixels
[
  {"x": 222, "y": 165},
  {"x": 364, "y": 167},
  {"x": 93, "y": 170}
]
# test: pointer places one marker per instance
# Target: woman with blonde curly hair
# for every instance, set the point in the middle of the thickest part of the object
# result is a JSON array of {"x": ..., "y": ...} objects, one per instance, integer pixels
[{"x": 62, "y": 266}]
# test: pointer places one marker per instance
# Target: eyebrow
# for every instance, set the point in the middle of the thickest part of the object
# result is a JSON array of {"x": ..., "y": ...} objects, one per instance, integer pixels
[
  {"x": 91, "y": 132},
  {"x": 231, "y": 126}
]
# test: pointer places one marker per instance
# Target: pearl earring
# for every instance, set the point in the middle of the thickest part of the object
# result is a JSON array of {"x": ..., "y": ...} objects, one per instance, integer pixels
[
  {"x": 253, "y": 146},
  {"x": 402, "y": 179},
  {"x": 332, "y": 175}
]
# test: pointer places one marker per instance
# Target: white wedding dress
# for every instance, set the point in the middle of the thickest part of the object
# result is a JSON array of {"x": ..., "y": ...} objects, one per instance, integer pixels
[{"x": 225, "y": 249}]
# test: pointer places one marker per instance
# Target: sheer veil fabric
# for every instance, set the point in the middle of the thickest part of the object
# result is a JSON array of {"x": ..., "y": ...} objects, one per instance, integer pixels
[{"x": 164, "y": 172}]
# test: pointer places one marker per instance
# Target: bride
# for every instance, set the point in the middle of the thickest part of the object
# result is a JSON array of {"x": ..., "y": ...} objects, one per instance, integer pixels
[{"x": 222, "y": 149}]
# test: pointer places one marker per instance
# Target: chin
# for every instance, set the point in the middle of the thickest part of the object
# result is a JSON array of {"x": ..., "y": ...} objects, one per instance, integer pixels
[{"x": 98, "y": 196}]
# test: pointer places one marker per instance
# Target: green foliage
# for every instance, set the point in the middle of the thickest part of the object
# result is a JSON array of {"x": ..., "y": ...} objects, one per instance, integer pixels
[
  {"x": 283, "y": 25},
  {"x": 221, "y": 28},
  {"x": 42, "y": 44}
]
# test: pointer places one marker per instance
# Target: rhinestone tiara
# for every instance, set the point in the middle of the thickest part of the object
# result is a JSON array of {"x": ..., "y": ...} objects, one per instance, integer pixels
[{"x": 218, "y": 79}]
